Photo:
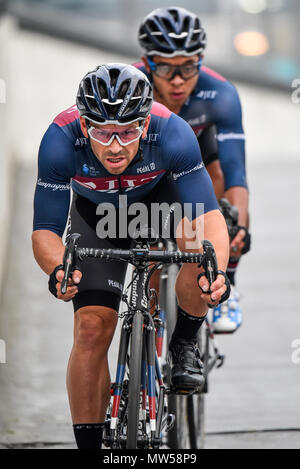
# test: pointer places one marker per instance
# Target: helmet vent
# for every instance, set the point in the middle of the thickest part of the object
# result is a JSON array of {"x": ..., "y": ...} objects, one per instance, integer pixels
[
  {"x": 175, "y": 15},
  {"x": 124, "y": 89},
  {"x": 114, "y": 75},
  {"x": 102, "y": 89}
]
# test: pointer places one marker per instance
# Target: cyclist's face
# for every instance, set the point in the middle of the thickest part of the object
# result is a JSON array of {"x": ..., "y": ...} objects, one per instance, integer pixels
[
  {"x": 173, "y": 92},
  {"x": 114, "y": 157}
]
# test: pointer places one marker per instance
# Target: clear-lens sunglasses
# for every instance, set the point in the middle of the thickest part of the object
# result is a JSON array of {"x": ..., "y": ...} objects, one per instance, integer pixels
[{"x": 124, "y": 136}]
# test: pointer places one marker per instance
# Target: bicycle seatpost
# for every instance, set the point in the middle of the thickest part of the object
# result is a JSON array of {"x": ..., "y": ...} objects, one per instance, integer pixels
[{"x": 69, "y": 260}]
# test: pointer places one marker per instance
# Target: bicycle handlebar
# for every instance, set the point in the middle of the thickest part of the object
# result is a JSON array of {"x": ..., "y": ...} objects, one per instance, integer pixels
[
  {"x": 131, "y": 255},
  {"x": 138, "y": 256}
]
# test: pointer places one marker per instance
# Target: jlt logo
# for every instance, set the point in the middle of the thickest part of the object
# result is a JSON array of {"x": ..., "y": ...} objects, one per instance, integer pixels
[
  {"x": 2, "y": 92},
  {"x": 2, "y": 351}
]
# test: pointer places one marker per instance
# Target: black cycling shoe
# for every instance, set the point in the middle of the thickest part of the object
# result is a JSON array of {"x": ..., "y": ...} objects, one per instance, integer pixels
[{"x": 186, "y": 366}]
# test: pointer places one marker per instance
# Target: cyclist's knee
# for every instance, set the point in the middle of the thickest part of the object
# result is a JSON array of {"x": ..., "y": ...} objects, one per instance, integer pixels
[{"x": 94, "y": 327}]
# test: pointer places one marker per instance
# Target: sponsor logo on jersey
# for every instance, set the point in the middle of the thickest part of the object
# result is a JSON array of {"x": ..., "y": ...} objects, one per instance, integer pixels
[
  {"x": 184, "y": 173},
  {"x": 80, "y": 142},
  {"x": 197, "y": 120},
  {"x": 230, "y": 136},
  {"x": 54, "y": 187},
  {"x": 207, "y": 95},
  {"x": 89, "y": 170},
  {"x": 114, "y": 284},
  {"x": 111, "y": 185},
  {"x": 150, "y": 138},
  {"x": 146, "y": 169}
]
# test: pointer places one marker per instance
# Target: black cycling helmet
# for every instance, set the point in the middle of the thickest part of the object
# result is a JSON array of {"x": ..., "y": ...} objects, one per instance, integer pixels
[
  {"x": 172, "y": 31},
  {"x": 116, "y": 92}
]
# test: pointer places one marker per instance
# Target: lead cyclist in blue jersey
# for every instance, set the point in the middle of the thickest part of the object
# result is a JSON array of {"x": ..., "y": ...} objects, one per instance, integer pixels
[
  {"x": 117, "y": 142},
  {"x": 174, "y": 42}
]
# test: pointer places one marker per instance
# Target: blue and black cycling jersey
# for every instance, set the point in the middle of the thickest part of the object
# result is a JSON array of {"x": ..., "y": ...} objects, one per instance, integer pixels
[
  {"x": 215, "y": 102},
  {"x": 66, "y": 160}
]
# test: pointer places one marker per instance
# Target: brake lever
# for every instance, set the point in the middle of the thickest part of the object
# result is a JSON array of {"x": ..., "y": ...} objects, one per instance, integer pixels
[
  {"x": 69, "y": 260},
  {"x": 209, "y": 263}
]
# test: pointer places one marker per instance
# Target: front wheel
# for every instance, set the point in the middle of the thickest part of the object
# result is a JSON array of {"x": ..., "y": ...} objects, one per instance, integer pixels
[{"x": 134, "y": 388}]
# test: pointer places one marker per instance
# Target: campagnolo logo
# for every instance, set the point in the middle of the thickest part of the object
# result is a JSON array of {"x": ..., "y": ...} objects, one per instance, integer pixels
[{"x": 54, "y": 187}]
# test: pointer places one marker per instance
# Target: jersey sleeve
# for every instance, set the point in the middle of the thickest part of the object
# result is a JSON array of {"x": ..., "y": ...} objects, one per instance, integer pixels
[
  {"x": 231, "y": 137},
  {"x": 193, "y": 182},
  {"x": 56, "y": 167}
]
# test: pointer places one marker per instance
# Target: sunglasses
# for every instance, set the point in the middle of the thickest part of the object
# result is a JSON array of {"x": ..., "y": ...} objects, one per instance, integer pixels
[
  {"x": 124, "y": 137},
  {"x": 168, "y": 71}
]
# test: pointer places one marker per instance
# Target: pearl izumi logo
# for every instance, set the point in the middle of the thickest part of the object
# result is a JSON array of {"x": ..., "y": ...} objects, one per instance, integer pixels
[{"x": 2, "y": 351}]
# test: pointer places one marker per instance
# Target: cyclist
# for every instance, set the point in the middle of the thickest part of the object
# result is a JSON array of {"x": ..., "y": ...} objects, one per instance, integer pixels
[
  {"x": 105, "y": 147},
  {"x": 174, "y": 41}
]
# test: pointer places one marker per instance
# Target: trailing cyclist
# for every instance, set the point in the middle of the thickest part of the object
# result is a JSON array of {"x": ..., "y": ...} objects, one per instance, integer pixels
[
  {"x": 174, "y": 41},
  {"x": 102, "y": 150}
]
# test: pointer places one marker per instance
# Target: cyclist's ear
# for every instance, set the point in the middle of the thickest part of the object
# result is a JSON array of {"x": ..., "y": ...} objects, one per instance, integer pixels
[
  {"x": 146, "y": 126},
  {"x": 144, "y": 59},
  {"x": 83, "y": 127}
]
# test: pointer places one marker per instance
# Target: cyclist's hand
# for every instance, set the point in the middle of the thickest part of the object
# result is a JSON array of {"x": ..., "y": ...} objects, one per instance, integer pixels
[
  {"x": 219, "y": 289},
  {"x": 55, "y": 280},
  {"x": 72, "y": 288},
  {"x": 241, "y": 243}
]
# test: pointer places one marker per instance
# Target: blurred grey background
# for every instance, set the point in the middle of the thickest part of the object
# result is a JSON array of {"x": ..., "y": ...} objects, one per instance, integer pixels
[
  {"x": 46, "y": 48},
  {"x": 255, "y": 40}
]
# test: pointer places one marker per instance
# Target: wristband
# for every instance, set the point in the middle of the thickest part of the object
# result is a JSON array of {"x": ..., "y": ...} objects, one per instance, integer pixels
[
  {"x": 246, "y": 240},
  {"x": 53, "y": 280}
]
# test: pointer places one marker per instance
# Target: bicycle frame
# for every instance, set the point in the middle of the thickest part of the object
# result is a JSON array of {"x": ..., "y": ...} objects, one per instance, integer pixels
[{"x": 140, "y": 303}]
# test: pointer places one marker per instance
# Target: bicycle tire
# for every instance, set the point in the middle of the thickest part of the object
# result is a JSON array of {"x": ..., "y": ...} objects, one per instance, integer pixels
[
  {"x": 134, "y": 387},
  {"x": 170, "y": 306},
  {"x": 196, "y": 420}
]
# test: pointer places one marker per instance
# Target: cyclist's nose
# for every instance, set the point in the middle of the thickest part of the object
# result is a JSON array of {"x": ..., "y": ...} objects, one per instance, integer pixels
[
  {"x": 115, "y": 146},
  {"x": 177, "y": 80}
]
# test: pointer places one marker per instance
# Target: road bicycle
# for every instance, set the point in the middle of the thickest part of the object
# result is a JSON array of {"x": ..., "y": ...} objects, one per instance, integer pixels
[{"x": 144, "y": 406}]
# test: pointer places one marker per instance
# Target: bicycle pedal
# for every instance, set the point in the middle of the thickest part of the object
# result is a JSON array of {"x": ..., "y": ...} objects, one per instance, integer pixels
[{"x": 183, "y": 391}]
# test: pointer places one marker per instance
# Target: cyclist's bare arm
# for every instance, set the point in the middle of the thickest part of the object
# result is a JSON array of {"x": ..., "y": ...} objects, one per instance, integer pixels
[
  {"x": 239, "y": 196},
  {"x": 48, "y": 251}
]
